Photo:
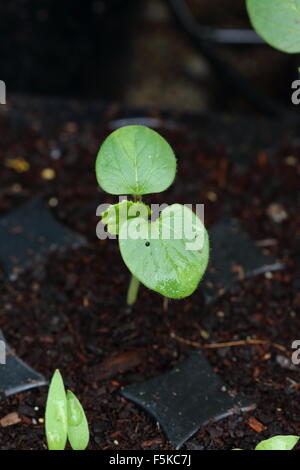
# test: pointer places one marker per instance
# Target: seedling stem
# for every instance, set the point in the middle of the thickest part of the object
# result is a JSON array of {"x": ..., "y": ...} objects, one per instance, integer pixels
[{"x": 133, "y": 290}]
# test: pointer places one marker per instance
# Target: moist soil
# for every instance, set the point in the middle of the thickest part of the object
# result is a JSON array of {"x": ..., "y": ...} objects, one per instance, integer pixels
[{"x": 70, "y": 312}]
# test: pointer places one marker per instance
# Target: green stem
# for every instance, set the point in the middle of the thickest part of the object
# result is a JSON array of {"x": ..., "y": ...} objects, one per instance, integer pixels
[
  {"x": 134, "y": 282},
  {"x": 133, "y": 290}
]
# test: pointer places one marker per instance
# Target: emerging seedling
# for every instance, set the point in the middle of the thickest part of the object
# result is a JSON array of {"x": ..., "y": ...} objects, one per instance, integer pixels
[
  {"x": 65, "y": 418},
  {"x": 56, "y": 419},
  {"x": 277, "y": 443},
  {"x": 277, "y": 22},
  {"x": 78, "y": 429},
  {"x": 170, "y": 254}
]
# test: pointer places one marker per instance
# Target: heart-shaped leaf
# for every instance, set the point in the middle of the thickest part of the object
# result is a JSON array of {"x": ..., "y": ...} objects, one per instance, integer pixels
[
  {"x": 56, "y": 414},
  {"x": 277, "y": 22},
  {"x": 278, "y": 443},
  {"x": 78, "y": 429},
  {"x": 135, "y": 160},
  {"x": 169, "y": 255}
]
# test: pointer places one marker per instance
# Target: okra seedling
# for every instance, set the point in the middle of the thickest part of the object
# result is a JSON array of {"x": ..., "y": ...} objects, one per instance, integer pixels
[
  {"x": 78, "y": 429},
  {"x": 170, "y": 254},
  {"x": 56, "y": 418},
  {"x": 277, "y": 443},
  {"x": 65, "y": 418},
  {"x": 277, "y": 22}
]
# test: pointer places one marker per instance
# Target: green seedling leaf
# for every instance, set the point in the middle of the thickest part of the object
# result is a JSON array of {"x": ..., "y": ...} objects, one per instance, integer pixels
[
  {"x": 78, "y": 429},
  {"x": 277, "y": 22},
  {"x": 56, "y": 414},
  {"x": 135, "y": 160},
  {"x": 116, "y": 214},
  {"x": 278, "y": 443},
  {"x": 169, "y": 255}
]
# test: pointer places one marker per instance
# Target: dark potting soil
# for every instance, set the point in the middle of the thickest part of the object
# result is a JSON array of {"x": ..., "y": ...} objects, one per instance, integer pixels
[{"x": 70, "y": 313}]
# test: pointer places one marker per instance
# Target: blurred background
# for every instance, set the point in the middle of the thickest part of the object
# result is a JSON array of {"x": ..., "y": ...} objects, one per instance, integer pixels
[{"x": 166, "y": 54}]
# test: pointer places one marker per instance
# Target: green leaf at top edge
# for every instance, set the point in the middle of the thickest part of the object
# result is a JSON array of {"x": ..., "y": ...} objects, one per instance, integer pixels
[
  {"x": 277, "y": 22},
  {"x": 135, "y": 160},
  {"x": 78, "y": 429},
  {"x": 56, "y": 414},
  {"x": 278, "y": 443}
]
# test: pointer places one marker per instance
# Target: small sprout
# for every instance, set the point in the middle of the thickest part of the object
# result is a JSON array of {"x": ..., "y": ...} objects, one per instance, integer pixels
[
  {"x": 78, "y": 429},
  {"x": 170, "y": 254},
  {"x": 277, "y": 443},
  {"x": 56, "y": 414},
  {"x": 64, "y": 418}
]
